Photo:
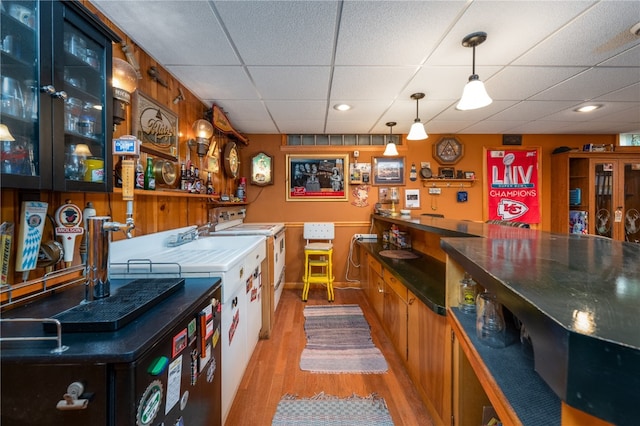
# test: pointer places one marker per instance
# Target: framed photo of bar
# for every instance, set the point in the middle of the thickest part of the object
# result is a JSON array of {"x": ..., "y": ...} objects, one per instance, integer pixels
[
  {"x": 388, "y": 170},
  {"x": 315, "y": 177}
]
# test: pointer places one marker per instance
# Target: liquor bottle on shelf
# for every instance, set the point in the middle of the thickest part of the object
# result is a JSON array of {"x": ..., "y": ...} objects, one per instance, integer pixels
[
  {"x": 210, "y": 189},
  {"x": 139, "y": 184},
  {"x": 183, "y": 177},
  {"x": 149, "y": 176}
]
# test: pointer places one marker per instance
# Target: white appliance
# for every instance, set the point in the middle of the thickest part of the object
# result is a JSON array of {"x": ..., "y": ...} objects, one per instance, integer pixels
[
  {"x": 235, "y": 259},
  {"x": 230, "y": 221}
]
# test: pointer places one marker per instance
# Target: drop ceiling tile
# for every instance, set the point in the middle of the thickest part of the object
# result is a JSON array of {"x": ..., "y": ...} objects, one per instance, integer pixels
[
  {"x": 513, "y": 83},
  {"x": 369, "y": 82},
  {"x": 216, "y": 82},
  {"x": 627, "y": 94},
  {"x": 291, "y": 83},
  {"x": 532, "y": 110},
  {"x": 590, "y": 84},
  {"x": 281, "y": 32},
  {"x": 590, "y": 38},
  {"x": 512, "y": 28},
  {"x": 174, "y": 32},
  {"x": 297, "y": 111},
  {"x": 392, "y": 33}
]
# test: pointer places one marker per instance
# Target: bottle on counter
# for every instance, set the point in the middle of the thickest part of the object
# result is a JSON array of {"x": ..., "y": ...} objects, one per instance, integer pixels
[
  {"x": 139, "y": 183},
  {"x": 468, "y": 293},
  {"x": 149, "y": 176}
]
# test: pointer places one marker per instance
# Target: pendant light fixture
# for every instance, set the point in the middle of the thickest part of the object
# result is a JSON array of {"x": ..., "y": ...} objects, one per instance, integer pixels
[
  {"x": 474, "y": 95},
  {"x": 417, "y": 131},
  {"x": 391, "y": 149}
]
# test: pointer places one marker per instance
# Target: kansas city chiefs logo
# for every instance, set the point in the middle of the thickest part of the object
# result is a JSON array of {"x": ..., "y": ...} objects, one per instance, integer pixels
[{"x": 511, "y": 209}]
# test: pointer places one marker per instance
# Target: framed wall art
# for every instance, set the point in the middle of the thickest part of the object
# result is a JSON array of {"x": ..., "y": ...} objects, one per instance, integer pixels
[
  {"x": 316, "y": 177},
  {"x": 359, "y": 173},
  {"x": 388, "y": 170},
  {"x": 155, "y": 126},
  {"x": 262, "y": 169}
]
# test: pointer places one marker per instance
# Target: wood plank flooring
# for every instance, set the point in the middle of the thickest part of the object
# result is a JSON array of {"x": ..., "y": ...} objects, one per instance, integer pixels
[{"x": 274, "y": 369}]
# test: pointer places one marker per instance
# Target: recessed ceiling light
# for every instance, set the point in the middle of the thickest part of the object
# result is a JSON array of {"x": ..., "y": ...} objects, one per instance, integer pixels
[
  {"x": 342, "y": 107},
  {"x": 587, "y": 108}
]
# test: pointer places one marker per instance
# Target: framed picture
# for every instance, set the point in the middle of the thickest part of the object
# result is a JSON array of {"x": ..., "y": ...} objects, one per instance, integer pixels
[
  {"x": 388, "y": 170},
  {"x": 412, "y": 198},
  {"x": 155, "y": 126},
  {"x": 446, "y": 172},
  {"x": 359, "y": 173},
  {"x": 262, "y": 169},
  {"x": 316, "y": 177},
  {"x": 469, "y": 175}
]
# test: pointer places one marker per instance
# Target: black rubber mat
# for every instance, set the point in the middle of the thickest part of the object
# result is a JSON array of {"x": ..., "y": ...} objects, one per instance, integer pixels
[{"x": 114, "y": 312}]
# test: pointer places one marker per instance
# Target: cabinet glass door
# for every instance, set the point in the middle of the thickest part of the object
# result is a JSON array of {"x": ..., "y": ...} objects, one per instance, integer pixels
[
  {"x": 20, "y": 152},
  {"x": 631, "y": 207},
  {"x": 604, "y": 208},
  {"x": 84, "y": 107}
]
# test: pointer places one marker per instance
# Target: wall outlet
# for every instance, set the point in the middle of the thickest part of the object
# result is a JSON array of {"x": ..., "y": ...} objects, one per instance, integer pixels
[
  {"x": 363, "y": 237},
  {"x": 435, "y": 190}
]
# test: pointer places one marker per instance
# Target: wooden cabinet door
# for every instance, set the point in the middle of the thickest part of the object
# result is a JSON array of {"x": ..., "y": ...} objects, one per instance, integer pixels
[
  {"x": 395, "y": 313},
  {"x": 429, "y": 356},
  {"x": 375, "y": 286}
]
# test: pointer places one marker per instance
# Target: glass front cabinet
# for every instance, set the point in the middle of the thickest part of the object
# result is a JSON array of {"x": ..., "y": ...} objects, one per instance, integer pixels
[
  {"x": 598, "y": 194},
  {"x": 56, "y": 95}
]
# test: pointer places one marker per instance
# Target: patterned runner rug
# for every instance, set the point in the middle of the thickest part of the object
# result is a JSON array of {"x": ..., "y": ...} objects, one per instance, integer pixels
[
  {"x": 326, "y": 410},
  {"x": 339, "y": 341}
]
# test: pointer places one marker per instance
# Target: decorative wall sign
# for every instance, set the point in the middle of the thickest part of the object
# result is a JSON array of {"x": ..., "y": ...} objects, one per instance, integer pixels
[
  {"x": 511, "y": 139},
  {"x": 512, "y": 186},
  {"x": 155, "y": 126},
  {"x": 388, "y": 170},
  {"x": 262, "y": 169},
  {"x": 448, "y": 150},
  {"x": 316, "y": 177}
]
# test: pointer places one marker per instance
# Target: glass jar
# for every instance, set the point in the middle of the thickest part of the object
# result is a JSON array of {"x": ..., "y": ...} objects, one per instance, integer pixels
[
  {"x": 490, "y": 326},
  {"x": 467, "y": 294}
]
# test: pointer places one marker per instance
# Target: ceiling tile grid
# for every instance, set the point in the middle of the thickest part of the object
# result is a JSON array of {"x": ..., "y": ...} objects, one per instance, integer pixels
[{"x": 281, "y": 66}]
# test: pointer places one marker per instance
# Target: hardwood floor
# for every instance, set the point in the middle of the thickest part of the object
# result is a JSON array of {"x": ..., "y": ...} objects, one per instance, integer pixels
[{"x": 274, "y": 368}]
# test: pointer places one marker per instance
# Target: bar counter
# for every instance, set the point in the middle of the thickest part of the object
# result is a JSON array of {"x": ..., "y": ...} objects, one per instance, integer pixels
[{"x": 578, "y": 297}]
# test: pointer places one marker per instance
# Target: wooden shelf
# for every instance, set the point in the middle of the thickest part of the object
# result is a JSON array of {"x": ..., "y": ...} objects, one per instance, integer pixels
[
  {"x": 448, "y": 183},
  {"x": 169, "y": 193}
]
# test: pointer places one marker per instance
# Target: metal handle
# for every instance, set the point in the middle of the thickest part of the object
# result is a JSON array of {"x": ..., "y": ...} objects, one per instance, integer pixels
[
  {"x": 60, "y": 95},
  {"x": 61, "y": 348},
  {"x": 50, "y": 90}
]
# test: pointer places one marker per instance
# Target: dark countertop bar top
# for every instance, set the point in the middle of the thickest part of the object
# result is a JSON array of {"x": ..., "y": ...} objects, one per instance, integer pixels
[
  {"x": 578, "y": 297},
  {"x": 123, "y": 345},
  {"x": 424, "y": 276}
]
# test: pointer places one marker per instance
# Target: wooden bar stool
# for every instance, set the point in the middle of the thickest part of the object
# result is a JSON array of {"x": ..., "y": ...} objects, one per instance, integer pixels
[{"x": 318, "y": 257}]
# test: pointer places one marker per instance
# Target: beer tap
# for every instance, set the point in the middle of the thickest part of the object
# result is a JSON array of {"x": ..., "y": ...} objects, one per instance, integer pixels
[{"x": 99, "y": 228}]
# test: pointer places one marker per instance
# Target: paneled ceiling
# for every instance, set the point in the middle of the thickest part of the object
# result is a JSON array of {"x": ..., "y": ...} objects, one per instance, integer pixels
[{"x": 281, "y": 66}]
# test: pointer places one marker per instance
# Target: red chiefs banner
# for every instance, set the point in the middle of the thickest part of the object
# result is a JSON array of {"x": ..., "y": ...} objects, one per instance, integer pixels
[{"x": 512, "y": 179}]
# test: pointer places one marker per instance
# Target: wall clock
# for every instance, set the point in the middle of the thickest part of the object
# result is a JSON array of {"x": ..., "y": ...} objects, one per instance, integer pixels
[
  {"x": 231, "y": 160},
  {"x": 448, "y": 150},
  {"x": 262, "y": 169}
]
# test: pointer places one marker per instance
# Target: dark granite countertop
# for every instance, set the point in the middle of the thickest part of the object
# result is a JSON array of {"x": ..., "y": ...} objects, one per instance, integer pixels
[
  {"x": 578, "y": 297},
  {"x": 424, "y": 276},
  {"x": 123, "y": 345}
]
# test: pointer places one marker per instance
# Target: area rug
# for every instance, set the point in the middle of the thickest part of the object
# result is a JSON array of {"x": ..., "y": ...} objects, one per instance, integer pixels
[
  {"x": 326, "y": 410},
  {"x": 339, "y": 341}
]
